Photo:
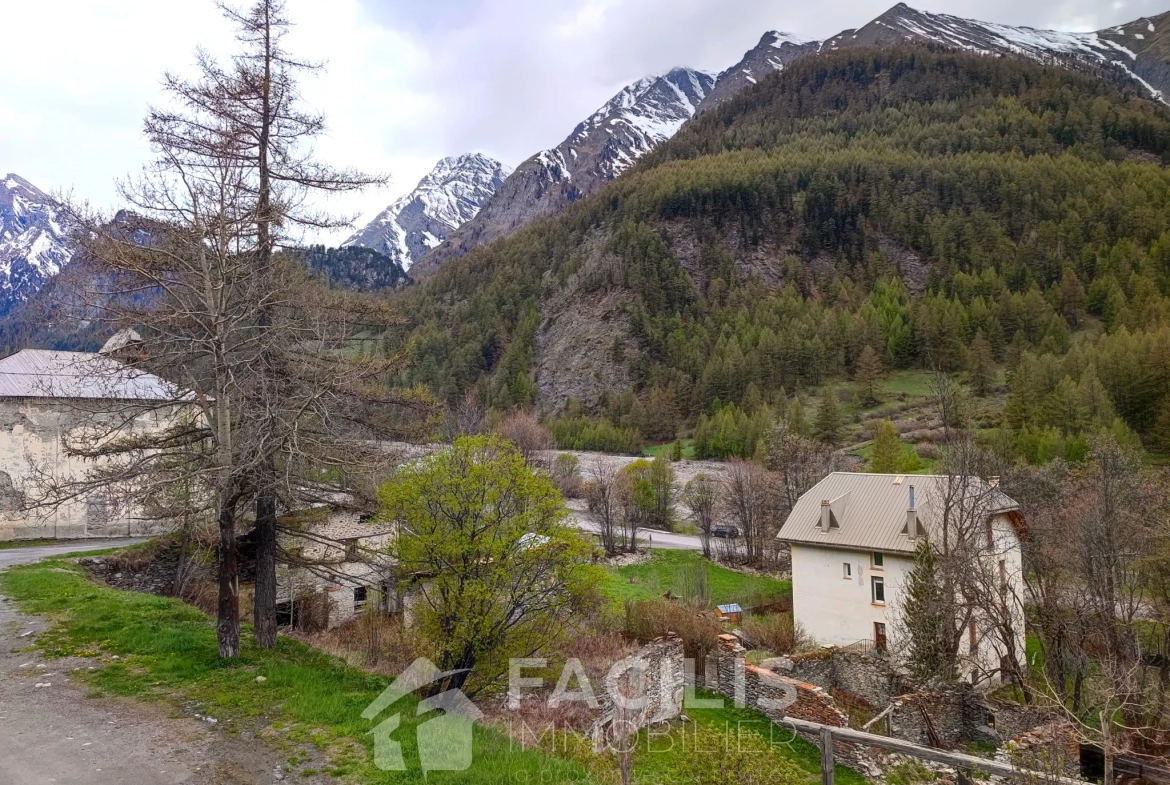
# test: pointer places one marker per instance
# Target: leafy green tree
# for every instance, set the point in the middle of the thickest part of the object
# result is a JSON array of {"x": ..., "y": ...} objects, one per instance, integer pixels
[
  {"x": 869, "y": 373},
  {"x": 887, "y": 449},
  {"x": 506, "y": 571},
  {"x": 652, "y": 492},
  {"x": 982, "y": 365},
  {"x": 828, "y": 422},
  {"x": 926, "y": 617}
]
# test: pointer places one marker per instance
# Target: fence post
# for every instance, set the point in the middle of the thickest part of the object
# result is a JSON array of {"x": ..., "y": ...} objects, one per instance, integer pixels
[{"x": 826, "y": 756}]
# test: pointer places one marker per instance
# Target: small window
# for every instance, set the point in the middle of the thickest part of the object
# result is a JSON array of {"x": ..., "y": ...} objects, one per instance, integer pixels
[
  {"x": 990, "y": 534},
  {"x": 879, "y": 590},
  {"x": 974, "y": 633},
  {"x": 879, "y": 636},
  {"x": 359, "y": 597},
  {"x": 846, "y": 570},
  {"x": 878, "y": 560}
]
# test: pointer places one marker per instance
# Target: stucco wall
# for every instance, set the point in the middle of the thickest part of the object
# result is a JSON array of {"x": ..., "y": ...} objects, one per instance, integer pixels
[
  {"x": 31, "y": 432},
  {"x": 839, "y": 611}
]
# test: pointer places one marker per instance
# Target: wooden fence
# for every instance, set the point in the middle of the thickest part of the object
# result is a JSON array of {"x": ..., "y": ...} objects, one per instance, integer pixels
[{"x": 962, "y": 763}]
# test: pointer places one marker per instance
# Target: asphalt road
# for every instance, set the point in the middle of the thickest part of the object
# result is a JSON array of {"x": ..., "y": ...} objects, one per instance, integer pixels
[
  {"x": 11, "y": 556},
  {"x": 653, "y": 539}
]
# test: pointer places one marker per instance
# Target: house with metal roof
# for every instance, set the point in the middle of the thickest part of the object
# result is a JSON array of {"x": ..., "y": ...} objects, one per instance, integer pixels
[
  {"x": 853, "y": 538},
  {"x": 45, "y": 395}
]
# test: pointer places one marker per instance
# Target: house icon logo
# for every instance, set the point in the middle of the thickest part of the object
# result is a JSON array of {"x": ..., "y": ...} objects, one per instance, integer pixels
[{"x": 444, "y": 742}]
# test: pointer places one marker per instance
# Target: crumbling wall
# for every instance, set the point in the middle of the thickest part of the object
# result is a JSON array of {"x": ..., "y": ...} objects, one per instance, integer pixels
[
  {"x": 777, "y": 696},
  {"x": 659, "y": 668}
]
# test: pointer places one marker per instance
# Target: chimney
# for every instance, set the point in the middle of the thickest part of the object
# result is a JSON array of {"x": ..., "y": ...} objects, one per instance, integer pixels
[
  {"x": 826, "y": 515},
  {"x": 911, "y": 528},
  {"x": 993, "y": 481}
]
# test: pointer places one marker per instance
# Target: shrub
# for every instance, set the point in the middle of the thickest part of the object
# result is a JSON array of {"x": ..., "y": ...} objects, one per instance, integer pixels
[
  {"x": 650, "y": 619},
  {"x": 776, "y": 632},
  {"x": 566, "y": 475}
]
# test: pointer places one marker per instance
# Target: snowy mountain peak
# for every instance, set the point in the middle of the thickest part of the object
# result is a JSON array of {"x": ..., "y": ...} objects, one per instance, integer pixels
[
  {"x": 636, "y": 120},
  {"x": 34, "y": 243},
  {"x": 446, "y": 198}
]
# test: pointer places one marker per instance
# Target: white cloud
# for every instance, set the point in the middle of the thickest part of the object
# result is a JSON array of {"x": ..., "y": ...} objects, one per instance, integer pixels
[{"x": 407, "y": 82}]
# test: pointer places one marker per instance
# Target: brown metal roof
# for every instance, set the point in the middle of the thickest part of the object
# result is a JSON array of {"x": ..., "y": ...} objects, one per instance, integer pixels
[
  {"x": 45, "y": 373},
  {"x": 870, "y": 509}
]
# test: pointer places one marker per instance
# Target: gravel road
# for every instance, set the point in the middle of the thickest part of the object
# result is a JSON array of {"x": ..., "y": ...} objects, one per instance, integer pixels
[{"x": 50, "y": 732}]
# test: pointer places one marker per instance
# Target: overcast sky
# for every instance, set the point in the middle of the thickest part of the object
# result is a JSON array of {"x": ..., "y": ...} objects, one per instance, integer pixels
[{"x": 407, "y": 81}]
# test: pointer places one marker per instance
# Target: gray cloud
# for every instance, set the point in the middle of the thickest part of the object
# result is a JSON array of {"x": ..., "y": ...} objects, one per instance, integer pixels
[{"x": 515, "y": 76}]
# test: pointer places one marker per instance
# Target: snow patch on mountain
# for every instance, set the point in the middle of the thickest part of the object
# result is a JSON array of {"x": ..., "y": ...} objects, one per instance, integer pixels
[
  {"x": 449, "y": 196},
  {"x": 34, "y": 241}
]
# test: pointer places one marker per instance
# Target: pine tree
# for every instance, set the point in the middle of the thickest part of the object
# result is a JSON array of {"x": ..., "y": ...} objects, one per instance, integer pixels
[
  {"x": 869, "y": 373},
  {"x": 924, "y": 618},
  {"x": 1161, "y": 432},
  {"x": 887, "y": 450},
  {"x": 828, "y": 423},
  {"x": 797, "y": 421},
  {"x": 982, "y": 365}
]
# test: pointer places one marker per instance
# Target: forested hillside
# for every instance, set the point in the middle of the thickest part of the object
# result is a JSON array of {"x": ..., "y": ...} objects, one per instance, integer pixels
[{"x": 912, "y": 200}]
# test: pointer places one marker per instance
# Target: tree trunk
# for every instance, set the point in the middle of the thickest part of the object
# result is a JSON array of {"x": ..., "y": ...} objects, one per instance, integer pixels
[
  {"x": 227, "y": 629},
  {"x": 264, "y": 605}
]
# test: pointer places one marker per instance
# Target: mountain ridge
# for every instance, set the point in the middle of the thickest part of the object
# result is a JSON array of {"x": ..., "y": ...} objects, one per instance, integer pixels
[{"x": 548, "y": 181}]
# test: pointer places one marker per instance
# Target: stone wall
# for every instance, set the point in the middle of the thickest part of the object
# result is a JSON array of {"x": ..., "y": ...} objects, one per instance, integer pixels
[
  {"x": 777, "y": 696},
  {"x": 658, "y": 671},
  {"x": 865, "y": 675}
]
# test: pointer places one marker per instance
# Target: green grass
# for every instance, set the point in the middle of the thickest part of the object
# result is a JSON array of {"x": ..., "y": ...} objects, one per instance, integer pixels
[
  {"x": 688, "y": 449},
  {"x": 911, "y": 383},
  {"x": 167, "y": 652},
  {"x": 663, "y": 572},
  {"x": 661, "y": 757},
  {"x": 10, "y": 544}
]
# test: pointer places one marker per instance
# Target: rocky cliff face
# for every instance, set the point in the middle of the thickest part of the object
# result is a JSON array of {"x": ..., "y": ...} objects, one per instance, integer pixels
[
  {"x": 628, "y": 126},
  {"x": 34, "y": 242},
  {"x": 444, "y": 200}
]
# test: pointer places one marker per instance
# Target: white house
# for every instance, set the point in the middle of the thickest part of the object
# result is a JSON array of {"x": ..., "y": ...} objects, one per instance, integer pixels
[
  {"x": 44, "y": 396},
  {"x": 853, "y": 538}
]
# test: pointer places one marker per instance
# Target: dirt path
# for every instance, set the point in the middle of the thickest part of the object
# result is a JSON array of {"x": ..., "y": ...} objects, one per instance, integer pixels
[{"x": 50, "y": 732}]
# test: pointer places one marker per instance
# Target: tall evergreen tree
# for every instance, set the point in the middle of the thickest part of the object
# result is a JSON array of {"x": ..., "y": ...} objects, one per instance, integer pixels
[
  {"x": 982, "y": 365},
  {"x": 828, "y": 423},
  {"x": 869, "y": 373},
  {"x": 925, "y": 617},
  {"x": 887, "y": 449}
]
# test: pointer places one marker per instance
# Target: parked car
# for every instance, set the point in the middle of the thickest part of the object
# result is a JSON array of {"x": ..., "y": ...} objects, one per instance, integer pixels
[{"x": 729, "y": 532}]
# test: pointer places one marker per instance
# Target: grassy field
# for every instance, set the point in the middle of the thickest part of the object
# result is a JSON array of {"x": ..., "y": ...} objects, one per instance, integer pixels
[
  {"x": 688, "y": 449},
  {"x": 669, "y": 758},
  {"x": 664, "y": 572},
  {"x": 167, "y": 652}
]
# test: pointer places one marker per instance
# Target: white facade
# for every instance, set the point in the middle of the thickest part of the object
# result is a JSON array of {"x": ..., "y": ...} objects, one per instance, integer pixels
[
  {"x": 853, "y": 539},
  {"x": 833, "y": 592}
]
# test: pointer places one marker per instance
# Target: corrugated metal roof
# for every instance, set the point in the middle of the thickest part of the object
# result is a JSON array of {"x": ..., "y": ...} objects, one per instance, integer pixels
[
  {"x": 45, "y": 373},
  {"x": 731, "y": 608},
  {"x": 876, "y": 510}
]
